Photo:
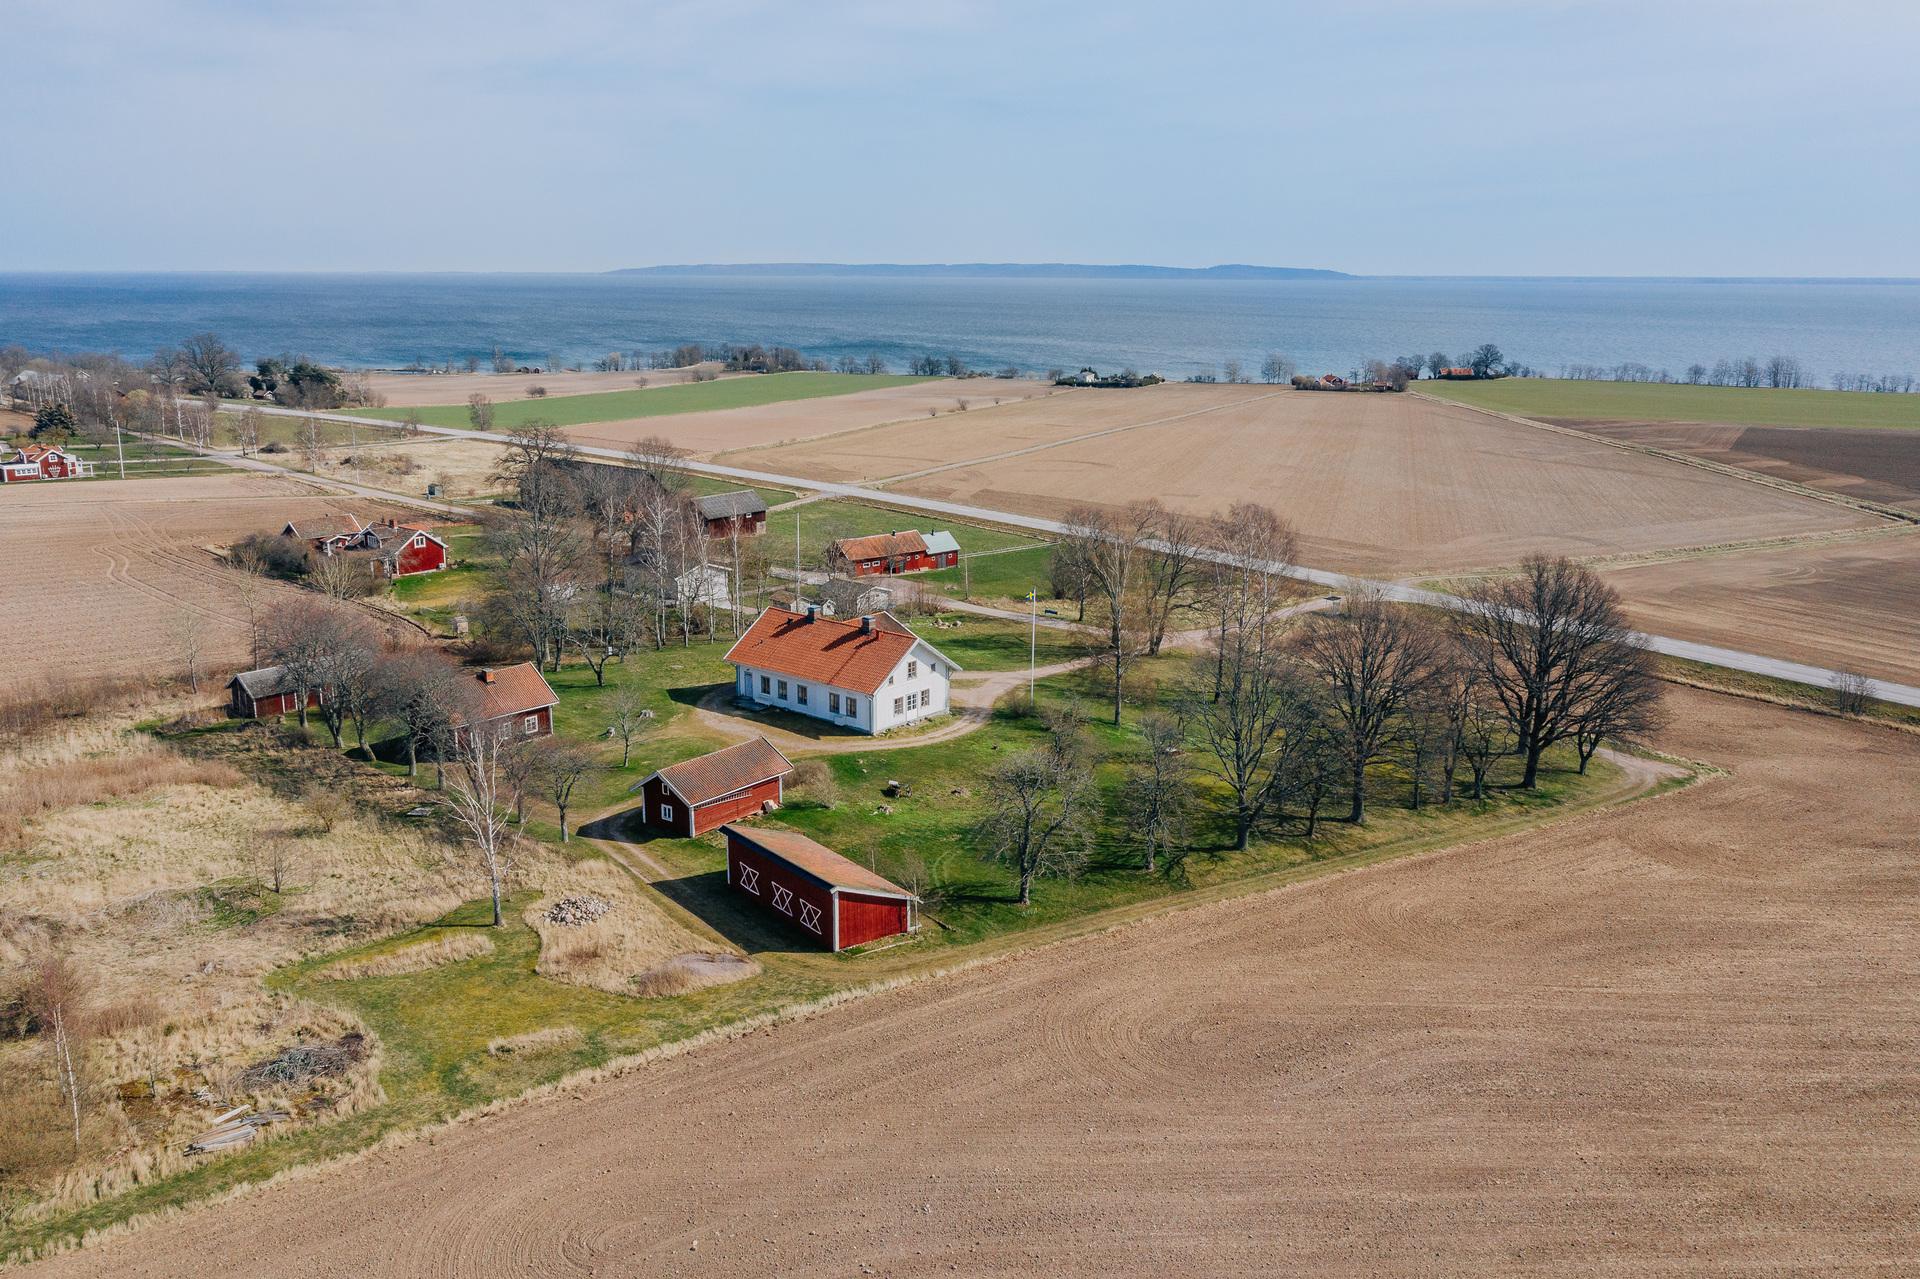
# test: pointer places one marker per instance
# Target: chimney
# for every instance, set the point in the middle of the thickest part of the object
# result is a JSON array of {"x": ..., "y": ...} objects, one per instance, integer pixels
[
  {"x": 813, "y": 611},
  {"x": 487, "y": 677},
  {"x": 866, "y": 624}
]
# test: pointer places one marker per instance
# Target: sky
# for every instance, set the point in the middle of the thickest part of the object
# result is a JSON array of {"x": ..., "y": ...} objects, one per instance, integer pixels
[{"x": 1468, "y": 137}]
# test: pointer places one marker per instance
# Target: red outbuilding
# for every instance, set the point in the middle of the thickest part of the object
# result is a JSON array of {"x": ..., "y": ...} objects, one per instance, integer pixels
[
  {"x": 883, "y": 553},
  {"x": 401, "y": 550},
  {"x": 698, "y": 795},
  {"x": 722, "y": 513},
  {"x": 514, "y": 703},
  {"x": 266, "y": 693},
  {"x": 838, "y": 902}
]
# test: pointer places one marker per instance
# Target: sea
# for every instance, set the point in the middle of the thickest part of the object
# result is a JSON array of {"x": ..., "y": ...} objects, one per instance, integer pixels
[{"x": 1177, "y": 327}]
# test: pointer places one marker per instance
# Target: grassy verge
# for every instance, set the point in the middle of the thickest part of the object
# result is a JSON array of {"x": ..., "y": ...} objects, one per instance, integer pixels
[
  {"x": 1781, "y": 691},
  {"x": 681, "y": 397},
  {"x": 1665, "y": 402}
]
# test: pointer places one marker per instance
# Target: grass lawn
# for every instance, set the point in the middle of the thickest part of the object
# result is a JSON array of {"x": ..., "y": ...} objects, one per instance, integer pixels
[
  {"x": 146, "y": 460},
  {"x": 1002, "y": 575},
  {"x": 620, "y": 406},
  {"x": 828, "y": 521},
  {"x": 1663, "y": 402},
  {"x": 433, "y": 598}
]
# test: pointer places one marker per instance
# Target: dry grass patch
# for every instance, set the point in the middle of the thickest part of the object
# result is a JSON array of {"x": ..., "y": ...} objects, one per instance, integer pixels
[
  {"x": 450, "y": 948},
  {"x": 633, "y": 939},
  {"x": 534, "y": 1041}
]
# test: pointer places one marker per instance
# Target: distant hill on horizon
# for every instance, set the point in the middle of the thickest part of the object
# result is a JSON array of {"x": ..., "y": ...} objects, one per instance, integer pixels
[{"x": 997, "y": 270}]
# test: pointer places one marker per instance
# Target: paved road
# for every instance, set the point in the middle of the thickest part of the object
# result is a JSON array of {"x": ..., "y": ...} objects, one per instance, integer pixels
[{"x": 1709, "y": 654}]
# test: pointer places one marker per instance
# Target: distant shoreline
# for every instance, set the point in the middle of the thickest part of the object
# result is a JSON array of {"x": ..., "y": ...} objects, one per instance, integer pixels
[{"x": 988, "y": 271}]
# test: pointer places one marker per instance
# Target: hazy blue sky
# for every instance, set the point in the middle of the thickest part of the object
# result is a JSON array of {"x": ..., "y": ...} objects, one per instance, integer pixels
[{"x": 1694, "y": 137}]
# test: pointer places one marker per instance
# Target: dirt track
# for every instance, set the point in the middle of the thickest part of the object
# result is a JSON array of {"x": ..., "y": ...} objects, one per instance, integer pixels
[{"x": 1672, "y": 1038}]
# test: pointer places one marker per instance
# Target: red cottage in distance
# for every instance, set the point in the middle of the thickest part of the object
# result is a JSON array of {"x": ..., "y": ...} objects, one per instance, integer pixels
[
  {"x": 515, "y": 702},
  {"x": 838, "y": 902},
  {"x": 698, "y": 795}
]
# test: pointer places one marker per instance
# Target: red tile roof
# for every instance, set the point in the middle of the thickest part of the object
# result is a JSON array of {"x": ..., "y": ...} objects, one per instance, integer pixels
[
  {"x": 881, "y": 546},
  {"x": 513, "y": 690},
  {"x": 817, "y": 860},
  {"x": 824, "y": 649},
  {"x": 710, "y": 777}
]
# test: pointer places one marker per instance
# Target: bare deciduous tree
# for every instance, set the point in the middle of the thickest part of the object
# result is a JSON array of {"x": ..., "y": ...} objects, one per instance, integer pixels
[
  {"x": 1174, "y": 569},
  {"x": 1249, "y": 544},
  {"x": 189, "y": 637},
  {"x": 1372, "y": 661},
  {"x": 58, "y": 993},
  {"x": 480, "y": 412},
  {"x": 559, "y": 766},
  {"x": 628, "y": 718},
  {"x": 1621, "y": 703},
  {"x": 1107, "y": 552},
  {"x": 1159, "y": 794},
  {"x": 1851, "y": 692},
  {"x": 422, "y": 693},
  {"x": 1539, "y": 640},
  {"x": 1036, "y": 812},
  {"x": 474, "y": 793},
  {"x": 1256, "y": 723}
]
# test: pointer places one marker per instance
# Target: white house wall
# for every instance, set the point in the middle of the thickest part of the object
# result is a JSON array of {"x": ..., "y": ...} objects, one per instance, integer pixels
[{"x": 930, "y": 684}]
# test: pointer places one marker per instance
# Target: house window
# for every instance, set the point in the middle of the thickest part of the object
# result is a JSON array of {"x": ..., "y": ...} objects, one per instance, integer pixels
[
  {"x": 853, "y": 707},
  {"x": 897, "y": 706},
  {"x": 833, "y": 703},
  {"x": 783, "y": 690},
  {"x": 913, "y": 668},
  {"x": 666, "y": 812},
  {"x": 420, "y": 539},
  {"x": 502, "y": 731},
  {"x": 532, "y": 724},
  {"x": 800, "y": 694},
  {"x": 766, "y": 685}
]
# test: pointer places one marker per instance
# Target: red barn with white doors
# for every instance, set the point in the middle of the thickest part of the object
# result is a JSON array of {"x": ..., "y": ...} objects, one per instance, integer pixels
[{"x": 837, "y": 902}]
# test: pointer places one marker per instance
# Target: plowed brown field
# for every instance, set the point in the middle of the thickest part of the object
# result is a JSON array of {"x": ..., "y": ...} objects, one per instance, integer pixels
[
  {"x": 1846, "y": 605},
  {"x": 101, "y": 575},
  {"x": 1375, "y": 483},
  {"x": 1875, "y": 465},
  {"x": 1676, "y": 1037},
  {"x": 721, "y": 430}
]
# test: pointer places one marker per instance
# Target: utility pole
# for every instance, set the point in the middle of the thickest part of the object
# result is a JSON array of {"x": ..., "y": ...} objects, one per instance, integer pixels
[{"x": 1033, "y": 644}]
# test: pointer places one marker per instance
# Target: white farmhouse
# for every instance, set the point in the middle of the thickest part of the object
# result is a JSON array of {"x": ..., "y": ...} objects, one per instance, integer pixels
[{"x": 869, "y": 673}]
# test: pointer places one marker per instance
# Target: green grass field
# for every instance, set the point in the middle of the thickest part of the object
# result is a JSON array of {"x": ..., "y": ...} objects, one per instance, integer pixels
[
  {"x": 824, "y": 522},
  {"x": 146, "y": 460},
  {"x": 619, "y": 406},
  {"x": 1664, "y": 402}
]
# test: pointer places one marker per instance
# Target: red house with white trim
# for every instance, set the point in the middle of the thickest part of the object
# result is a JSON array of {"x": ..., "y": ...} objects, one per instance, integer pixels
[
  {"x": 42, "y": 462},
  {"x": 514, "y": 703},
  {"x": 698, "y": 795},
  {"x": 836, "y": 902},
  {"x": 402, "y": 550}
]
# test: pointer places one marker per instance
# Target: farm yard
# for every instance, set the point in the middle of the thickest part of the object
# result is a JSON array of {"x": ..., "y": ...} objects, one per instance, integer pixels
[
  {"x": 1483, "y": 1054},
  {"x": 105, "y": 577}
]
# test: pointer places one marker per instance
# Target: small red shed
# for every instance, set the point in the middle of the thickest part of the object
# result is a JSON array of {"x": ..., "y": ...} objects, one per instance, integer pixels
[
  {"x": 698, "y": 795},
  {"x": 722, "y": 513},
  {"x": 266, "y": 693},
  {"x": 405, "y": 549},
  {"x": 839, "y": 902}
]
